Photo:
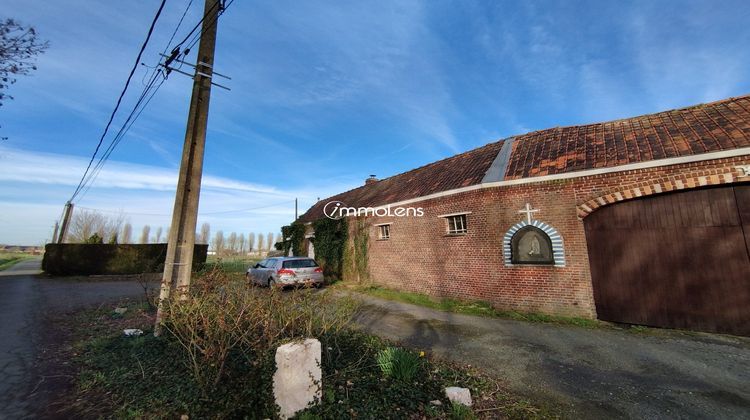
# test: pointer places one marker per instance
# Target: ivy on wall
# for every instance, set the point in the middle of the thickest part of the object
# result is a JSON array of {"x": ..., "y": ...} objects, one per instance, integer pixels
[
  {"x": 355, "y": 253},
  {"x": 330, "y": 241},
  {"x": 293, "y": 236}
]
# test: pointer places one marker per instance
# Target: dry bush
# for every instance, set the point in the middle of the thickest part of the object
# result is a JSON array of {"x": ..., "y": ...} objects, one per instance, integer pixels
[{"x": 222, "y": 317}]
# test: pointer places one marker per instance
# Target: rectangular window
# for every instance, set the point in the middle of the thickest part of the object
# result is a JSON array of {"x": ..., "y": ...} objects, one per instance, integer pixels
[
  {"x": 457, "y": 224},
  {"x": 385, "y": 232}
]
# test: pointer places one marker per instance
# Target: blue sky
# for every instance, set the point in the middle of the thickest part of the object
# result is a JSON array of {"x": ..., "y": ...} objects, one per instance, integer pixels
[{"x": 325, "y": 93}]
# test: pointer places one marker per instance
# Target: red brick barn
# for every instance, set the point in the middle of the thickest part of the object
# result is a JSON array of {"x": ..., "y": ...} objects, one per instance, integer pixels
[{"x": 643, "y": 220}]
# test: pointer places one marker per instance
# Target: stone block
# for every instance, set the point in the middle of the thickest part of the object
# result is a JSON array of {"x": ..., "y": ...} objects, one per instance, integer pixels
[
  {"x": 297, "y": 381},
  {"x": 458, "y": 395}
]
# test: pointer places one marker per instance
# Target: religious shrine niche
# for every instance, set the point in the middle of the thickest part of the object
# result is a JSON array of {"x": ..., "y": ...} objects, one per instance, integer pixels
[
  {"x": 530, "y": 245},
  {"x": 533, "y": 242}
]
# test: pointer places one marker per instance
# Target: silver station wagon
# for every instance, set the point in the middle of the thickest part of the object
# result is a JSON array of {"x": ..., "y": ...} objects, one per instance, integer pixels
[{"x": 285, "y": 271}]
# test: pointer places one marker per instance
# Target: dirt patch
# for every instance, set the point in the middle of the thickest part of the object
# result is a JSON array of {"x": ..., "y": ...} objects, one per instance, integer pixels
[{"x": 62, "y": 334}]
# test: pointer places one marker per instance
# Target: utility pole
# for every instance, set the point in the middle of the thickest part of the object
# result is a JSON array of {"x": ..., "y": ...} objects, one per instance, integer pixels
[
  {"x": 295, "y": 208},
  {"x": 179, "y": 261},
  {"x": 54, "y": 232},
  {"x": 67, "y": 213}
]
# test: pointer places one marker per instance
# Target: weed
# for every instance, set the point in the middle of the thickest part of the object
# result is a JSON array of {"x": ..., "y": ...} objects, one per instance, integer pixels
[
  {"x": 461, "y": 412},
  {"x": 398, "y": 363},
  {"x": 638, "y": 329}
]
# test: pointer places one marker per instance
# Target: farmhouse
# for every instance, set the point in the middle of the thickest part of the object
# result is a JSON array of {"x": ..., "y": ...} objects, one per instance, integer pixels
[{"x": 643, "y": 220}]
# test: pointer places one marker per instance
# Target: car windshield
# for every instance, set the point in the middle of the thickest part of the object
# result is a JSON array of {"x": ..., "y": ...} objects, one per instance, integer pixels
[{"x": 300, "y": 264}]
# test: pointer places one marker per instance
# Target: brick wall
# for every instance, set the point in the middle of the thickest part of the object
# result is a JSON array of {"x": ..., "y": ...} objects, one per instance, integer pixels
[{"x": 420, "y": 257}]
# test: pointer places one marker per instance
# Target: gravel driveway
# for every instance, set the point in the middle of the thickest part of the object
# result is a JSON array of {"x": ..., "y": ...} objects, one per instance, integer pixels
[{"x": 585, "y": 373}]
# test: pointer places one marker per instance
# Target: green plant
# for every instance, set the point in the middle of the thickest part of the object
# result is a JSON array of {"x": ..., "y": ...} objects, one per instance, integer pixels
[
  {"x": 330, "y": 241},
  {"x": 398, "y": 363},
  {"x": 94, "y": 239},
  {"x": 221, "y": 317},
  {"x": 293, "y": 237},
  {"x": 355, "y": 252},
  {"x": 477, "y": 308},
  {"x": 461, "y": 412}
]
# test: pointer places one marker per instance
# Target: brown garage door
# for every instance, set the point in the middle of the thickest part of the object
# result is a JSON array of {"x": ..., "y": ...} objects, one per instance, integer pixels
[{"x": 677, "y": 260}]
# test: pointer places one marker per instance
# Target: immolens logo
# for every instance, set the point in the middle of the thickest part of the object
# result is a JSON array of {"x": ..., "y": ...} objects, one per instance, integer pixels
[{"x": 336, "y": 210}]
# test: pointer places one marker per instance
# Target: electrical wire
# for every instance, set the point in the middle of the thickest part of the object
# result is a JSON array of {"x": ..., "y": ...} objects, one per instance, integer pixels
[
  {"x": 86, "y": 183},
  {"x": 196, "y": 37},
  {"x": 119, "y": 100},
  {"x": 135, "y": 113}
]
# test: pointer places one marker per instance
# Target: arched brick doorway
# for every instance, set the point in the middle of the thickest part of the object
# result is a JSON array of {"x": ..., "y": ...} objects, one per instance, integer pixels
[{"x": 677, "y": 260}]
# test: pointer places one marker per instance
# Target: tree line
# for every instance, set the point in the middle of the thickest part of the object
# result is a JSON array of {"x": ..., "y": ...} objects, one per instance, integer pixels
[{"x": 89, "y": 226}]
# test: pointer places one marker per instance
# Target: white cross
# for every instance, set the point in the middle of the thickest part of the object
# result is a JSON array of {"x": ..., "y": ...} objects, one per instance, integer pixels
[{"x": 528, "y": 210}]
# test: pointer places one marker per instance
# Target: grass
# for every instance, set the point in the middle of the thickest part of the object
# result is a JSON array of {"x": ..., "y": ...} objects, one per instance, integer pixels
[
  {"x": 146, "y": 377},
  {"x": 9, "y": 259},
  {"x": 477, "y": 308},
  {"x": 232, "y": 264}
]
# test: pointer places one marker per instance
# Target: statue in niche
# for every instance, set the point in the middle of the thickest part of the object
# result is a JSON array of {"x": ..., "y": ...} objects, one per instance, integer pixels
[
  {"x": 534, "y": 247},
  {"x": 530, "y": 245}
]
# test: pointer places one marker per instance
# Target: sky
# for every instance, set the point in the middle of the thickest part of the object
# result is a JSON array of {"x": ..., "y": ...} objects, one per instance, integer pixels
[{"x": 325, "y": 93}]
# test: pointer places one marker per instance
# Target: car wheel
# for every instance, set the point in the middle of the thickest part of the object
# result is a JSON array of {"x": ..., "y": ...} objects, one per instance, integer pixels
[
  {"x": 249, "y": 279},
  {"x": 271, "y": 283}
]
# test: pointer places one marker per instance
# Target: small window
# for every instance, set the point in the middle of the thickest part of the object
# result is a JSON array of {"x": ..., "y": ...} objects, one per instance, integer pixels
[
  {"x": 385, "y": 232},
  {"x": 457, "y": 224}
]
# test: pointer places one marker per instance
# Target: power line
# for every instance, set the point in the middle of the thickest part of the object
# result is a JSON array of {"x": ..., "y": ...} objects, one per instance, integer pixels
[
  {"x": 86, "y": 183},
  {"x": 132, "y": 117},
  {"x": 196, "y": 37},
  {"x": 190, "y": 3},
  {"x": 122, "y": 94},
  {"x": 198, "y": 25}
]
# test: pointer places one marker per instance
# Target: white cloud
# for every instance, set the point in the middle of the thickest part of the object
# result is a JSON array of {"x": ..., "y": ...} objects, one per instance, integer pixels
[{"x": 36, "y": 186}]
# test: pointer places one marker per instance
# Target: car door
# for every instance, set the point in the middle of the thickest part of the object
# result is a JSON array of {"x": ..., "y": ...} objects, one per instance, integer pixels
[
  {"x": 256, "y": 272},
  {"x": 269, "y": 271}
]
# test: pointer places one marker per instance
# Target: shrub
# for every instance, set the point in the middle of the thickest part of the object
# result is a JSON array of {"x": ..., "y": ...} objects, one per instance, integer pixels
[
  {"x": 222, "y": 318},
  {"x": 88, "y": 259},
  {"x": 398, "y": 363}
]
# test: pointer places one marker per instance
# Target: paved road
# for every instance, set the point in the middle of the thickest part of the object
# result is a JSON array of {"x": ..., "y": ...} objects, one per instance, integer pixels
[
  {"x": 27, "y": 302},
  {"x": 588, "y": 373}
]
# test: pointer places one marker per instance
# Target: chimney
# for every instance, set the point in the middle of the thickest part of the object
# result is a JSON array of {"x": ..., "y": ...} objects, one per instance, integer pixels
[{"x": 371, "y": 180}]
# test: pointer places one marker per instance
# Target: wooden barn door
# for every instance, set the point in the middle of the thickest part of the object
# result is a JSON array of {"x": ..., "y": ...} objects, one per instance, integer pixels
[{"x": 679, "y": 260}]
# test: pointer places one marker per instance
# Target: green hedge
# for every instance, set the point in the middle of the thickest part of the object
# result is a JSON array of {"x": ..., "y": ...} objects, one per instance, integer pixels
[{"x": 88, "y": 259}]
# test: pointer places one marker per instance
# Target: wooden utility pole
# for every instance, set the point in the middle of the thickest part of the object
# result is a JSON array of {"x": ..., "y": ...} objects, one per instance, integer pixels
[
  {"x": 54, "y": 232},
  {"x": 179, "y": 261},
  {"x": 67, "y": 213}
]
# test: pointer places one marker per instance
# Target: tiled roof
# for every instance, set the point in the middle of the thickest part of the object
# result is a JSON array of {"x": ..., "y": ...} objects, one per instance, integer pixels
[
  {"x": 458, "y": 171},
  {"x": 722, "y": 125},
  {"x": 698, "y": 129}
]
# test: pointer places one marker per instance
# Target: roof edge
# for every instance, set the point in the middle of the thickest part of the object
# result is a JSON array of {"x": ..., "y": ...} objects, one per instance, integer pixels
[{"x": 745, "y": 151}]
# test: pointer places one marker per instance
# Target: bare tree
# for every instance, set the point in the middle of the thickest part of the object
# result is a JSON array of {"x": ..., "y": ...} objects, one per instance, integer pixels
[
  {"x": 232, "y": 242},
  {"x": 18, "y": 46},
  {"x": 144, "y": 234},
  {"x": 260, "y": 242},
  {"x": 279, "y": 238},
  {"x": 85, "y": 223},
  {"x": 205, "y": 233},
  {"x": 241, "y": 244},
  {"x": 269, "y": 240},
  {"x": 250, "y": 241},
  {"x": 158, "y": 235},
  {"x": 218, "y": 243},
  {"x": 127, "y": 233}
]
